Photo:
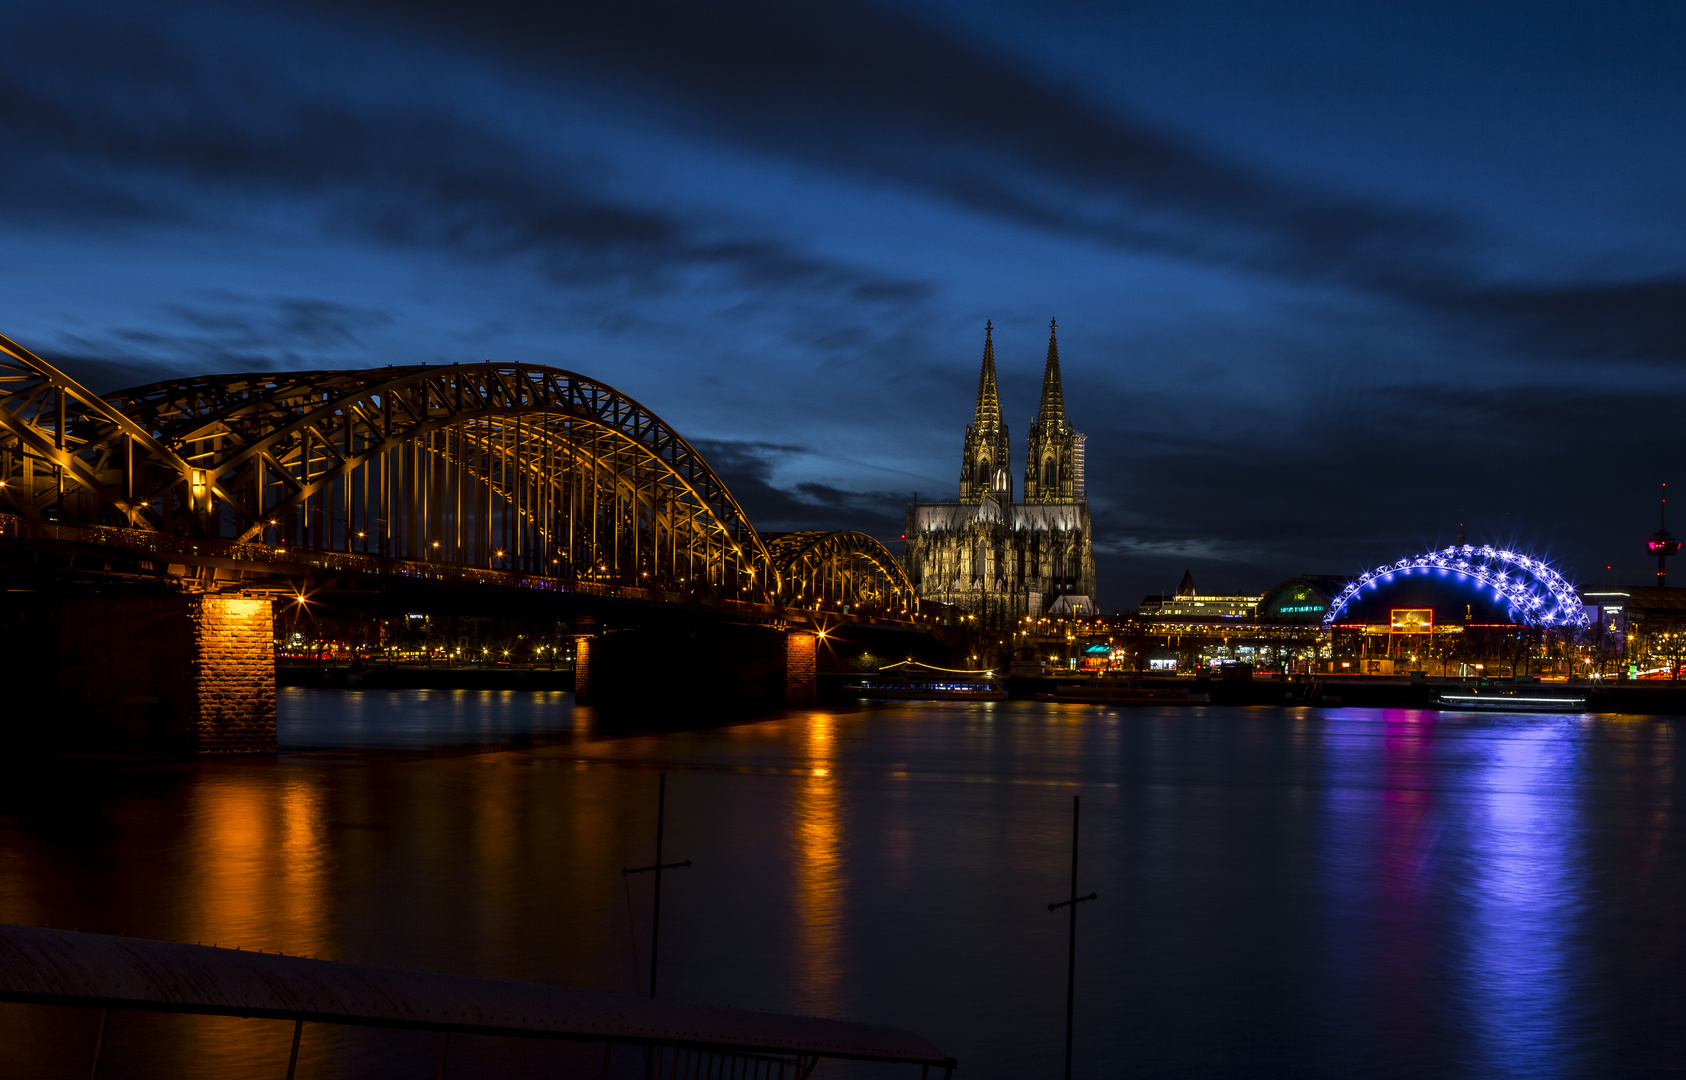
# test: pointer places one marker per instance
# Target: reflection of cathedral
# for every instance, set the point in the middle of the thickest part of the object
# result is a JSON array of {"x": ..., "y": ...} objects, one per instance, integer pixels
[{"x": 989, "y": 555}]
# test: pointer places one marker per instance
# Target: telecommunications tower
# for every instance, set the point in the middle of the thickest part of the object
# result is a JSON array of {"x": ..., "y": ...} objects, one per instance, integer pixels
[{"x": 1662, "y": 545}]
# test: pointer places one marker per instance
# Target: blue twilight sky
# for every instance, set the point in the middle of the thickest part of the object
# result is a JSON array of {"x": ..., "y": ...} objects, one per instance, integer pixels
[{"x": 1331, "y": 278}]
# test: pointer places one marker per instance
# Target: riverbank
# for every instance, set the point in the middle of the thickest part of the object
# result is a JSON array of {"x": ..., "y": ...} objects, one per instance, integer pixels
[
  {"x": 423, "y": 677},
  {"x": 1646, "y": 698},
  {"x": 1639, "y": 697}
]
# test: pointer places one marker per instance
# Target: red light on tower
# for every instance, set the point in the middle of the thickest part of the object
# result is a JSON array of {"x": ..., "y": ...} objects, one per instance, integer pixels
[{"x": 1662, "y": 545}]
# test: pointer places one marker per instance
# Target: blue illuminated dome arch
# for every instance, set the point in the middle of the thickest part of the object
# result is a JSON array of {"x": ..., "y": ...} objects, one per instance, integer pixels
[{"x": 1530, "y": 591}]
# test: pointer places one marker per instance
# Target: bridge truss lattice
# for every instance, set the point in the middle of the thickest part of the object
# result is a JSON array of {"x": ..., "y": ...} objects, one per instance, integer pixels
[
  {"x": 847, "y": 570},
  {"x": 512, "y": 467},
  {"x": 519, "y": 468}
]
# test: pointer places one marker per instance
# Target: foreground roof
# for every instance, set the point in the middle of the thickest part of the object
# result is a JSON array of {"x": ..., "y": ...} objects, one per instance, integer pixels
[{"x": 63, "y": 967}]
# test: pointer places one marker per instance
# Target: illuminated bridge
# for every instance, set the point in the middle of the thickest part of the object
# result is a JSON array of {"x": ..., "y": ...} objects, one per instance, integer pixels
[{"x": 485, "y": 487}]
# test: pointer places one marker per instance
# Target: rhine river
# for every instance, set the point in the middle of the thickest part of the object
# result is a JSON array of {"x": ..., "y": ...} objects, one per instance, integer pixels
[{"x": 1283, "y": 892}]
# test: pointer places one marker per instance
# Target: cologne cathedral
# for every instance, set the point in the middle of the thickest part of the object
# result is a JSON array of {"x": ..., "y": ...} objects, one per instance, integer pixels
[{"x": 995, "y": 558}]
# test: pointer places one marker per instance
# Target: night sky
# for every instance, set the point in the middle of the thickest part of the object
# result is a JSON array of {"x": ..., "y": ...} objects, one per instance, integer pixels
[{"x": 1330, "y": 279}]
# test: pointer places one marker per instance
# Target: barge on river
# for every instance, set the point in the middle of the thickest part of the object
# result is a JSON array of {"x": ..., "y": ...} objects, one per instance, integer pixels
[
  {"x": 1512, "y": 699},
  {"x": 913, "y": 681},
  {"x": 1115, "y": 692}
]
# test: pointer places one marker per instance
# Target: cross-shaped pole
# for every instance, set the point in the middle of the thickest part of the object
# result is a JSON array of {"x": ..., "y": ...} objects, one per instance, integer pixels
[
  {"x": 1071, "y": 948},
  {"x": 658, "y": 867}
]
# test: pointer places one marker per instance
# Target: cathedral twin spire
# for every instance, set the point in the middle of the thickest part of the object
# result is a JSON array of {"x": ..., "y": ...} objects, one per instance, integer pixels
[
  {"x": 988, "y": 411},
  {"x": 986, "y": 469},
  {"x": 1054, "y": 469},
  {"x": 1052, "y": 412}
]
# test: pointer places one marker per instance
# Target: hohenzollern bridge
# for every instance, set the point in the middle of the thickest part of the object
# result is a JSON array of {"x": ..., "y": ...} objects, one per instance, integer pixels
[{"x": 146, "y": 535}]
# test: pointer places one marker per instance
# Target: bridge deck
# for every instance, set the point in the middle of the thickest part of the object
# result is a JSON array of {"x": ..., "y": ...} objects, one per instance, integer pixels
[{"x": 105, "y": 552}]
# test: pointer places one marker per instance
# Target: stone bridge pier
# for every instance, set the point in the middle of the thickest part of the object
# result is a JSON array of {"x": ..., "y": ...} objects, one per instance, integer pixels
[
  {"x": 747, "y": 666},
  {"x": 162, "y": 673}
]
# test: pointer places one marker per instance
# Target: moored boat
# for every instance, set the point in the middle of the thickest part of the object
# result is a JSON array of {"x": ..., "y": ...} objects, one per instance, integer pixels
[
  {"x": 912, "y": 681},
  {"x": 1510, "y": 699},
  {"x": 1113, "y": 693},
  {"x": 905, "y": 689}
]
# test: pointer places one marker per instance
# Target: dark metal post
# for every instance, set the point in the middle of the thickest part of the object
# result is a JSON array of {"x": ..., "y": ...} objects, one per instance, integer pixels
[
  {"x": 99, "y": 1044},
  {"x": 1071, "y": 946},
  {"x": 444, "y": 1048},
  {"x": 658, "y": 867},
  {"x": 293, "y": 1058},
  {"x": 656, "y": 908}
]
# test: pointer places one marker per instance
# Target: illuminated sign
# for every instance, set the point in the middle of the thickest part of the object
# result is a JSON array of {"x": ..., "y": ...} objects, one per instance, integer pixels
[
  {"x": 1412, "y": 620},
  {"x": 1299, "y": 609},
  {"x": 1097, "y": 650}
]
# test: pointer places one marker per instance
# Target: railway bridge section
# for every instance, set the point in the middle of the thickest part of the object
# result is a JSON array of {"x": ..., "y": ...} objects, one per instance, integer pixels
[{"x": 148, "y": 536}]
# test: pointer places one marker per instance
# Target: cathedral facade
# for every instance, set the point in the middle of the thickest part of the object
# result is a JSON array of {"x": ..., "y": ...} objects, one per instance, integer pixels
[{"x": 1000, "y": 559}]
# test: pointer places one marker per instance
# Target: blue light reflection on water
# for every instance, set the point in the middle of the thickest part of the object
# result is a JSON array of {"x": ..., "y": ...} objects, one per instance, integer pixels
[
  {"x": 1526, "y": 902},
  {"x": 318, "y": 719},
  {"x": 1283, "y": 892}
]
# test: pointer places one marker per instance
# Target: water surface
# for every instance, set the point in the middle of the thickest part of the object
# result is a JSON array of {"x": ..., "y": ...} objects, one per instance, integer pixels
[{"x": 1283, "y": 892}]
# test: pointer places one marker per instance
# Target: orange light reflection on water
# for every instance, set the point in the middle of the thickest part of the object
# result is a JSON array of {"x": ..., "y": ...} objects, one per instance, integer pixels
[
  {"x": 256, "y": 877},
  {"x": 819, "y": 873}
]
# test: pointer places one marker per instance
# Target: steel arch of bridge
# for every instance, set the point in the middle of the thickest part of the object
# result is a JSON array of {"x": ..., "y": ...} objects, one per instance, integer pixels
[
  {"x": 65, "y": 450},
  {"x": 848, "y": 570},
  {"x": 1533, "y": 592},
  {"x": 504, "y": 466}
]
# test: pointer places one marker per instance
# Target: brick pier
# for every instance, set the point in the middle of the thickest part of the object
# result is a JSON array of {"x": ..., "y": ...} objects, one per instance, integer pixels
[
  {"x": 232, "y": 673},
  {"x": 172, "y": 674}
]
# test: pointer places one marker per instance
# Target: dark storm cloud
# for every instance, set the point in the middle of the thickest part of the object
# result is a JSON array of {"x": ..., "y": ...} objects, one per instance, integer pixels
[
  {"x": 1640, "y": 320},
  {"x": 172, "y": 138},
  {"x": 244, "y": 324},
  {"x": 874, "y": 91},
  {"x": 1392, "y": 471},
  {"x": 115, "y": 118},
  {"x": 224, "y": 332},
  {"x": 747, "y": 468}
]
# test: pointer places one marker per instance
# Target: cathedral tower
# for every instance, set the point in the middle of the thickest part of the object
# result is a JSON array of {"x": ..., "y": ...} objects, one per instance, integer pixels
[
  {"x": 986, "y": 462},
  {"x": 1053, "y": 471},
  {"x": 996, "y": 560}
]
